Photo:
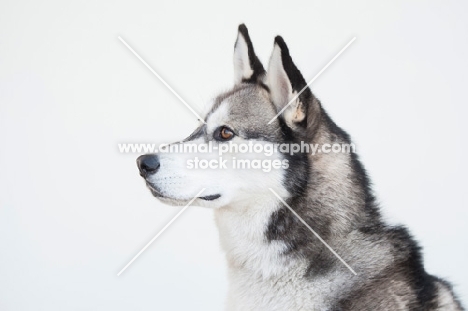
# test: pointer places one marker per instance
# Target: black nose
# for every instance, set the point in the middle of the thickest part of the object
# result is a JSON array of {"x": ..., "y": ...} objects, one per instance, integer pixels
[{"x": 148, "y": 164}]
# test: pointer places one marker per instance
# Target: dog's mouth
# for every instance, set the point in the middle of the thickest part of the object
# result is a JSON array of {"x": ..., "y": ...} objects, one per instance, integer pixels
[
  {"x": 210, "y": 197},
  {"x": 157, "y": 193}
]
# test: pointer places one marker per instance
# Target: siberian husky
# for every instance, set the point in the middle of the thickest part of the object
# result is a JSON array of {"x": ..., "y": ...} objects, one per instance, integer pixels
[{"x": 274, "y": 261}]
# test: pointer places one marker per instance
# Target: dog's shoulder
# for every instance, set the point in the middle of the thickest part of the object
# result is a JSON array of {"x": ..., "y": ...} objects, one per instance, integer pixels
[{"x": 403, "y": 284}]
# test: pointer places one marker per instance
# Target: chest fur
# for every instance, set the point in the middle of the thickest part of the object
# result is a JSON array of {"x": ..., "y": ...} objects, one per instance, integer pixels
[{"x": 261, "y": 277}]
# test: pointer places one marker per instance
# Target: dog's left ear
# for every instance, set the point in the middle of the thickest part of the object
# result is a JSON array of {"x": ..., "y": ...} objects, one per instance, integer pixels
[
  {"x": 247, "y": 66},
  {"x": 285, "y": 81}
]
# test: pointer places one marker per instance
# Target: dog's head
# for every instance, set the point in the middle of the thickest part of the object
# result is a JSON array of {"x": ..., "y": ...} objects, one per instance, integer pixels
[{"x": 245, "y": 116}]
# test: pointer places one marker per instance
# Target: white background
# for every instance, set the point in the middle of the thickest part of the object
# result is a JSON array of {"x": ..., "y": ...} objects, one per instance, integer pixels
[{"x": 74, "y": 211}]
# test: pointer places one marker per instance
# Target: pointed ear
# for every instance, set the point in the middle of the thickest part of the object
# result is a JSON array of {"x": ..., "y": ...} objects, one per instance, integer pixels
[
  {"x": 285, "y": 82},
  {"x": 247, "y": 66}
]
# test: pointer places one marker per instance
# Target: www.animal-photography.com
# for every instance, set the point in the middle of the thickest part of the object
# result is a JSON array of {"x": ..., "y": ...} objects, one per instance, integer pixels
[{"x": 241, "y": 155}]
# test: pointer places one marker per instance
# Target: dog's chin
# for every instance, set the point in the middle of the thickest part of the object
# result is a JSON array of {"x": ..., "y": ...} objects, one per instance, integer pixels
[
  {"x": 177, "y": 201},
  {"x": 163, "y": 198},
  {"x": 172, "y": 201}
]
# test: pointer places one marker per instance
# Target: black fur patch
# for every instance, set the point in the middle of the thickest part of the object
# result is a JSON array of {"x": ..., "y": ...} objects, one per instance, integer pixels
[
  {"x": 422, "y": 283},
  {"x": 297, "y": 174}
]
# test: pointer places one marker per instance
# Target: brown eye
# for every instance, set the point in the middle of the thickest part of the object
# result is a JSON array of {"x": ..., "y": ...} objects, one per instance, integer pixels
[{"x": 224, "y": 133}]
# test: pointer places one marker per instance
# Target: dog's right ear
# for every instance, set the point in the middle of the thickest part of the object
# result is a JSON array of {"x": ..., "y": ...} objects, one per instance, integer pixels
[
  {"x": 288, "y": 89},
  {"x": 247, "y": 66}
]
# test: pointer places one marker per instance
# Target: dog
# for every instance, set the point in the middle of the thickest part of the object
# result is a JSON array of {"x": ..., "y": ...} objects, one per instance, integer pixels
[{"x": 274, "y": 260}]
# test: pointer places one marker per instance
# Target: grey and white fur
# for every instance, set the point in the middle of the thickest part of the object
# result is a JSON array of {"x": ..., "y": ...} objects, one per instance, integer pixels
[{"x": 274, "y": 261}]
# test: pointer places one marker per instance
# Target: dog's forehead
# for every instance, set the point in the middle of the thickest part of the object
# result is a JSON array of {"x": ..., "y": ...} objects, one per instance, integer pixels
[{"x": 243, "y": 108}]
